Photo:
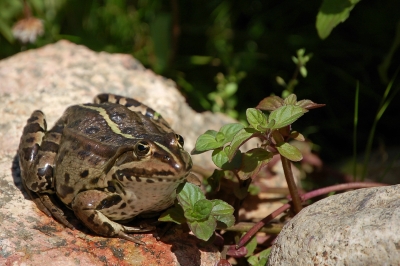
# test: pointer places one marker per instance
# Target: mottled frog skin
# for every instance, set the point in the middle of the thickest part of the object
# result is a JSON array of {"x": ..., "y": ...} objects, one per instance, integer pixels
[{"x": 108, "y": 161}]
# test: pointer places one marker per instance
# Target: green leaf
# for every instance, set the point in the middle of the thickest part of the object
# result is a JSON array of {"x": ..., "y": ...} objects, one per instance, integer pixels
[
  {"x": 270, "y": 103},
  {"x": 188, "y": 194},
  {"x": 331, "y": 13},
  {"x": 207, "y": 141},
  {"x": 230, "y": 89},
  {"x": 252, "y": 161},
  {"x": 220, "y": 137},
  {"x": 225, "y": 221},
  {"x": 214, "y": 180},
  {"x": 220, "y": 207},
  {"x": 174, "y": 214},
  {"x": 289, "y": 151},
  {"x": 286, "y": 115},
  {"x": 291, "y": 99},
  {"x": 221, "y": 159},
  {"x": 204, "y": 229},
  {"x": 240, "y": 192},
  {"x": 203, "y": 208},
  {"x": 230, "y": 130},
  {"x": 303, "y": 71},
  {"x": 256, "y": 117},
  {"x": 241, "y": 137},
  {"x": 251, "y": 246}
]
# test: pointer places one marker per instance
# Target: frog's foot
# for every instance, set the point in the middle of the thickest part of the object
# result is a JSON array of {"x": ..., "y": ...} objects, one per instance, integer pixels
[
  {"x": 53, "y": 210},
  {"x": 46, "y": 205},
  {"x": 88, "y": 206}
]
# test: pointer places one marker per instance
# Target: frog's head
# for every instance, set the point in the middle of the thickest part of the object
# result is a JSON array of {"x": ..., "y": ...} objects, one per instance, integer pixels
[{"x": 163, "y": 159}]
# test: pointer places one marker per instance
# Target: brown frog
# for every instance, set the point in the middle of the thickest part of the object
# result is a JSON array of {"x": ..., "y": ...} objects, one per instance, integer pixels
[{"x": 108, "y": 161}]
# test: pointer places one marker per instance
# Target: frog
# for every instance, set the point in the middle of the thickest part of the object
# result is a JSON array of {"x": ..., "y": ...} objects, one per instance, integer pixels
[{"x": 108, "y": 161}]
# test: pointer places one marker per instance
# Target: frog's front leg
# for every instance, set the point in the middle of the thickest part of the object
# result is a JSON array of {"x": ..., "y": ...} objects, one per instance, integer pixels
[
  {"x": 88, "y": 206},
  {"x": 36, "y": 152}
]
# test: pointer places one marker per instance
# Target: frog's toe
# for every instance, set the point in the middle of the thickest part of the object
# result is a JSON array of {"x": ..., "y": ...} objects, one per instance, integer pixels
[{"x": 48, "y": 207}]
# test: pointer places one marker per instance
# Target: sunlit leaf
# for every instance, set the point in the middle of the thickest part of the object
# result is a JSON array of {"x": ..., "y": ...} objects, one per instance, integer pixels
[
  {"x": 221, "y": 159},
  {"x": 207, "y": 141},
  {"x": 297, "y": 136},
  {"x": 286, "y": 115},
  {"x": 188, "y": 194},
  {"x": 256, "y": 117},
  {"x": 230, "y": 130},
  {"x": 238, "y": 140},
  {"x": 290, "y": 152},
  {"x": 203, "y": 229},
  {"x": 270, "y": 103},
  {"x": 291, "y": 99}
]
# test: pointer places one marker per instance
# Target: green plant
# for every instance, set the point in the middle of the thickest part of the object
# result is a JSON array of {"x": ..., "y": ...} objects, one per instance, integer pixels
[{"x": 201, "y": 215}]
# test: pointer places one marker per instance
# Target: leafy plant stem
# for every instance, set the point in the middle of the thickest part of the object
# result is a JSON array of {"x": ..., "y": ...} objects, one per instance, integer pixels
[
  {"x": 315, "y": 193},
  {"x": 355, "y": 131},
  {"x": 287, "y": 169}
]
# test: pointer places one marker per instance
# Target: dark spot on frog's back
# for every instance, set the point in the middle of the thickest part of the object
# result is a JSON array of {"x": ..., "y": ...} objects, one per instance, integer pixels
[
  {"x": 92, "y": 130},
  {"x": 66, "y": 178},
  {"x": 65, "y": 190},
  {"x": 84, "y": 173},
  {"x": 128, "y": 130},
  {"x": 118, "y": 117}
]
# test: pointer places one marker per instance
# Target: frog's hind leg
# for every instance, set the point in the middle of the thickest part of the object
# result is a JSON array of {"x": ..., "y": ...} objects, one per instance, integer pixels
[
  {"x": 132, "y": 105},
  {"x": 37, "y": 151},
  {"x": 88, "y": 206}
]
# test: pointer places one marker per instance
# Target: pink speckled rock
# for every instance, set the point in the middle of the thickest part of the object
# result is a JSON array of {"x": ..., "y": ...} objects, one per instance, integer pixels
[
  {"x": 361, "y": 227},
  {"x": 50, "y": 79}
]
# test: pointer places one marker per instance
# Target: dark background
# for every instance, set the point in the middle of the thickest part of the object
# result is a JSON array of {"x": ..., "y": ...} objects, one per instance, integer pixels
[{"x": 250, "y": 43}]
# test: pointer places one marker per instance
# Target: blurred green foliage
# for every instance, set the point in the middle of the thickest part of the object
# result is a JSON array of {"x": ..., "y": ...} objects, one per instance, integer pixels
[{"x": 226, "y": 55}]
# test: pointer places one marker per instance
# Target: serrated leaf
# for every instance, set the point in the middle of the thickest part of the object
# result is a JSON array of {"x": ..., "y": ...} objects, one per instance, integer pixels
[
  {"x": 230, "y": 130},
  {"x": 203, "y": 208},
  {"x": 188, "y": 195},
  {"x": 308, "y": 104},
  {"x": 204, "y": 229},
  {"x": 256, "y": 117},
  {"x": 241, "y": 137},
  {"x": 220, "y": 207},
  {"x": 270, "y": 103},
  {"x": 206, "y": 142},
  {"x": 286, "y": 115},
  {"x": 174, "y": 214},
  {"x": 221, "y": 159},
  {"x": 290, "y": 152},
  {"x": 291, "y": 99},
  {"x": 225, "y": 221},
  {"x": 331, "y": 13}
]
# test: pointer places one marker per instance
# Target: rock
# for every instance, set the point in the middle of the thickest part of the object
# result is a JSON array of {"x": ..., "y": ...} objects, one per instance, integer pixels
[
  {"x": 360, "y": 227},
  {"x": 52, "y": 78}
]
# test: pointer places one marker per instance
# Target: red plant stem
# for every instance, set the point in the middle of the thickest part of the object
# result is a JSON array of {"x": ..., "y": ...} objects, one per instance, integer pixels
[
  {"x": 287, "y": 169},
  {"x": 315, "y": 193}
]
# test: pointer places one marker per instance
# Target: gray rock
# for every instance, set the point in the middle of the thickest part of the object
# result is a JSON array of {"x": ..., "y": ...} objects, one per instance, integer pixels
[
  {"x": 360, "y": 227},
  {"x": 52, "y": 78}
]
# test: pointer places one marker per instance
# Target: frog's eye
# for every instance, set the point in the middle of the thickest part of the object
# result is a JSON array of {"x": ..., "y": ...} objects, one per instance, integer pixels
[
  {"x": 142, "y": 148},
  {"x": 180, "y": 139}
]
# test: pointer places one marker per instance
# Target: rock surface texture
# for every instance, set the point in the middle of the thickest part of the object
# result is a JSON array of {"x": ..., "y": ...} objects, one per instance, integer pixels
[
  {"x": 361, "y": 227},
  {"x": 51, "y": 79}
]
